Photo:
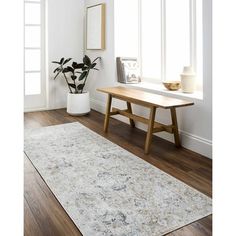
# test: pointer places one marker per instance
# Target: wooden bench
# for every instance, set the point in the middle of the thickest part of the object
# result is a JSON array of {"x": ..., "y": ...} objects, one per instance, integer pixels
[{"x": 149, "y": 100}]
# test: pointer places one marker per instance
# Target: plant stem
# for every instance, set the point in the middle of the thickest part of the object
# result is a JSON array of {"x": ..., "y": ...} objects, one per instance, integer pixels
[
  {"x": 76, "y": 91},
  {"x": 85, "y": 81},
  {"x": 67, "y": 82}
]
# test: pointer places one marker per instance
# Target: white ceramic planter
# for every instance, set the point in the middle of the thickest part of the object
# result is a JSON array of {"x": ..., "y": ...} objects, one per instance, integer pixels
[{"x": 78, "y": 104}]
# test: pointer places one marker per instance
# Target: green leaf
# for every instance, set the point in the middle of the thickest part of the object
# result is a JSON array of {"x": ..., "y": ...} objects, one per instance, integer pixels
[
  {"x": 72, "y": 85},
  {"x": 74, "y": 64},
  {"x": 96, "y": 59},
  {"x": 56, "y": 62},
  {"x": 80, "y": 86},
  {"x": 66, "y": 61},
  {"x": 87, "y": 60},
  {"x": 73, "y": 77},
  {"x": 84, "y": 68},
  {"x": 65, "y": 70},
  {"x": 78, "y": 72},
  {"x": 93, "y": 65},
  {"x": 83, "y": 75},
  {"x": 62, "y": 60},
  {"x": 80, "y": 65},
  {"x": 95, "y": 69},
  {"x": 77, "y": 65},
  {"x": 57, "y": 69},
  {"x": 71, "y": 69}
]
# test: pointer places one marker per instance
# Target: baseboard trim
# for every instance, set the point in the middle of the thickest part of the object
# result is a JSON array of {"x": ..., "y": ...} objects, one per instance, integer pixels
[
  {"x": 35, "y": 109},
  {"x": 196, "y": 144},
  {"x": 190, "y": 141},
  {"x": 44, "y": 109}
]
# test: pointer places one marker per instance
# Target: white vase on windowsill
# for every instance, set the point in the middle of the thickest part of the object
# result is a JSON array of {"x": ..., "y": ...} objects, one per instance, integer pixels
[
  {"x": 188, "y": 80},
  {"x": 78, "y": 104}
]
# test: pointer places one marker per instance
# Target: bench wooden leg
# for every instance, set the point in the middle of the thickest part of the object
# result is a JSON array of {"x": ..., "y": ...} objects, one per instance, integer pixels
[
  {"x": 175, "y": 126},
  {"x": 131, "y": 121},
  {"x": 107, "y": 115},
  {"x": 150, "y": 129}
]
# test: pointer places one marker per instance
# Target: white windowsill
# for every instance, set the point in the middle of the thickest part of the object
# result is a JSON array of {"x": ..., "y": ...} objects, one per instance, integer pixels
[{"x": 159, "y": 88}]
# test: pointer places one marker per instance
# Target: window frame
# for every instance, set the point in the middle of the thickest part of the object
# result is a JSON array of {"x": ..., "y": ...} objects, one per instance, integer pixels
[
  {"x": 193, "y": 53},
  {"x": 41, "y": 48},
  {"x": 37, "y": 101}
]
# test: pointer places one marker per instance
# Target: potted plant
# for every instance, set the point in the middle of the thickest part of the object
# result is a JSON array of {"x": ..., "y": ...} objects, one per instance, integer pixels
[{"x": 76, "y": 75}]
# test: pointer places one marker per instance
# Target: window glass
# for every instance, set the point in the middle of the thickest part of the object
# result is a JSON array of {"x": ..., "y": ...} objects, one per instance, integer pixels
[
  {"x": 169, "y": 36},
  {"x": 32, "y": 36},
  {"x": 199, "y": 42},
  {"x": 151, "y": 39},
  {"x": 32, "y": 13},
  {"x": 32, "y": 41},
  {"x": 32, "y": 83},
  {"x": 177, "y": 37},
  {"x": 32, "y": 60},
  {"x": 127, "y": 28}
]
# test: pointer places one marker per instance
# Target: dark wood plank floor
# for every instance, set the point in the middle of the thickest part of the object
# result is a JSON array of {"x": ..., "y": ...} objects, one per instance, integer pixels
[{"x": 44, "y": 214}]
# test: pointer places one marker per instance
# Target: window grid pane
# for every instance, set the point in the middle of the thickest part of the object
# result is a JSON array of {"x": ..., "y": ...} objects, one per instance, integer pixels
[
  {"x": 199, "y": 42},
  {"x": 127, "y": 45},
  {"x": 32, "y": 47},
  {"x": 32, "y": 13},
  {"x": 151, "y": 39},
  {"x": 32, "y": 59},
  {"x": 177, "y": 37},
  {"x": 32, "y": 83},
  {"x": 32, "y": 36}
]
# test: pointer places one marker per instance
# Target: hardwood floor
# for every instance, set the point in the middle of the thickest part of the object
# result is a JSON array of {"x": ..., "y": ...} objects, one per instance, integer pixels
[{"x": 45, "y": 216}]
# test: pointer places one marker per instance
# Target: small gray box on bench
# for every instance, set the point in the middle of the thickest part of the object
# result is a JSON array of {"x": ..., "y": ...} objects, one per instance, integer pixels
[{"x": 128, "y": 70}]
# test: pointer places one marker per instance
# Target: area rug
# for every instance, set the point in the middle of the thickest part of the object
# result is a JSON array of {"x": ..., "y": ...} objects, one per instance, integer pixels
[{"x": 107, "y": 190}]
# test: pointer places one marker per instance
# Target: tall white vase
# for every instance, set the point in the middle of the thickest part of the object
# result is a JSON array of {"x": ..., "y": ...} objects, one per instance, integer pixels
[
  {"x": 78, "y": 104},
  {"x": 188, "y": 80}
]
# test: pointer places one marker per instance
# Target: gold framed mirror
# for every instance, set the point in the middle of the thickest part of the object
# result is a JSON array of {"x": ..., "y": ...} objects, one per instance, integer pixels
[{"x": 95, "y": 27}]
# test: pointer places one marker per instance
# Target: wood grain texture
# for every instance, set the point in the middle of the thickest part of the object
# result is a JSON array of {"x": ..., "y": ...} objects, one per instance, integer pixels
[
  {"x": 175, "y": 126},
  {"x": 126, "y": 113},
  {"x": 150, "y": 129},
  {"x": 31, "y": 226},
  {"x": 144, "y": 98},
  {"x": 107, "y": 115},
  {"x": 129, "y": 107},
  {"x": 150, "y": 100},
  {"x": 44, "y": 214}
]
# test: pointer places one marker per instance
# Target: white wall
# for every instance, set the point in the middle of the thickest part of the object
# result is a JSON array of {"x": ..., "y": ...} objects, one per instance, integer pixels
[
  {"x": 65, "y": 36},
  {"x": 106, "y": 76},
  {"x": 195, "y": 122}
]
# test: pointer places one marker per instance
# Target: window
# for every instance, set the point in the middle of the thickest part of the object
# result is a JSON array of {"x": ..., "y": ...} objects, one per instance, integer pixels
[
  {"x": 150, "y": 42},
  {"x": 170, "y": 38},
  {"x": 33, "y": 47},
  {"x": 126, "y": 20}
]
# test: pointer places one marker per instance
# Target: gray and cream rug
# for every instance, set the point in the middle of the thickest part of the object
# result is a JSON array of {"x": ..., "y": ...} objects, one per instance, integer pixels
[{"x": 107, "y": 190}]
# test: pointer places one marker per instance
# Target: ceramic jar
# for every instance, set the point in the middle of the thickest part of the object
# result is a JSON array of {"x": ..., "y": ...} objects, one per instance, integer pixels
[{"x": 188, "y": 80}]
